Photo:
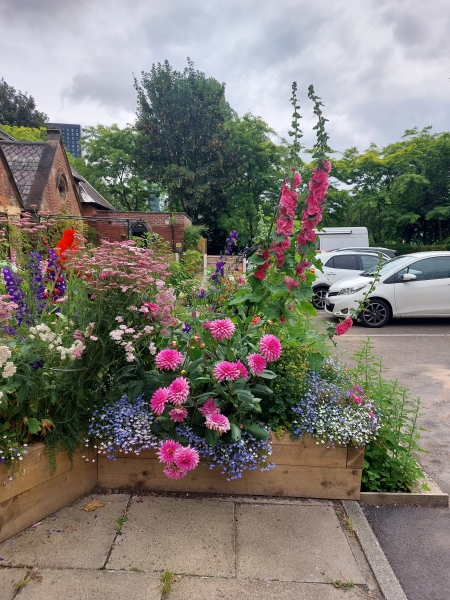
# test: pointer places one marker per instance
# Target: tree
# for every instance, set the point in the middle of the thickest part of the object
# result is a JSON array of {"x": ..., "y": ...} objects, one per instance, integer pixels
[
  {"x": 184, "y": 144},
  {"x": 260, "y": 168},
  {"x": 19, "y": 109},
  {"x": 401, "y": 191},
  {"x": 25, "y": 134},
  {"x": 109, "y": 163}
]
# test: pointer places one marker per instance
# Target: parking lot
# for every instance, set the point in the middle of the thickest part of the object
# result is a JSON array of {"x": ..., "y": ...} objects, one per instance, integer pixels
[{"x": 417, "y": 353}]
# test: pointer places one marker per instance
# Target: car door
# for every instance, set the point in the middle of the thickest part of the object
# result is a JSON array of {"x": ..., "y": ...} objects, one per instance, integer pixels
[
  {"x": 342, "y": 266},
  {"x": 429, "y": 293}
]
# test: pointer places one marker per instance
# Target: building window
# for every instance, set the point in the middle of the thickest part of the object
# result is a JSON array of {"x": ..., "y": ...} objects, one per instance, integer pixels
[{"x": 62, "y": 185}]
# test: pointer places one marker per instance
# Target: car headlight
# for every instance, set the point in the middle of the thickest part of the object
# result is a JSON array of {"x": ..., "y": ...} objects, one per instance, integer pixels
[{"x": 352, "y": 290}]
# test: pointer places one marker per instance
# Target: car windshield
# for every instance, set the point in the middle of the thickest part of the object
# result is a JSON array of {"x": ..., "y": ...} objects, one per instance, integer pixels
[{"x": 388, "y": 266}]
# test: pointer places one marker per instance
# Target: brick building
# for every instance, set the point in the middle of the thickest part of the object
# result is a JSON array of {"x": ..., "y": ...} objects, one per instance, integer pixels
[
  {"x": 37, "y": 176},
  {"x": 42, "y": 174}
]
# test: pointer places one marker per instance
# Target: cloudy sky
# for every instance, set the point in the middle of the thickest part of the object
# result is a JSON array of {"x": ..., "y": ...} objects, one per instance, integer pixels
[{"x": 380, "y": 66}]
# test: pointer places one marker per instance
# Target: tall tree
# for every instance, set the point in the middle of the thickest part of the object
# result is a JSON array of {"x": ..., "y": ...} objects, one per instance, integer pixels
[
  {"x": 109, "y": 164},
  {"x": 19, "y": 109},
  {"x": 184, "y": 144}
]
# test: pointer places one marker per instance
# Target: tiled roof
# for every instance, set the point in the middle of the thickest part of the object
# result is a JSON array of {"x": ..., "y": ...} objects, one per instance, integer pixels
[
  {"x": 6, "y": 136},
  {"x": 89, "y": 194},
  {"x": 23, "y": 159}
]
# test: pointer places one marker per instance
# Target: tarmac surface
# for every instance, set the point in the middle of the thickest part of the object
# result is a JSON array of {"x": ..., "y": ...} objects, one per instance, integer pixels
[
  {"x": 217, "y": 548},
  {"x": 416, "y": 541}
]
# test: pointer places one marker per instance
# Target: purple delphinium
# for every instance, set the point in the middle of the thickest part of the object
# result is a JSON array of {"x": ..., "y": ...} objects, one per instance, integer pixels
[
  {"x": 231, "y": 243},
  {"x": 186, "y": 327},
  {"x": 16, "y": 294},
  {"x": 37, "y": 282},
  {"x": 220, "y": 270},
  {"x": 202, "y": 294},
  {"x": 233, "y": 458}
]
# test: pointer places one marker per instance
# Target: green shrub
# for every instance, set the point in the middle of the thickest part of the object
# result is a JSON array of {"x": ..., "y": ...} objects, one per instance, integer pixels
[{"x": 389, "y": 465}]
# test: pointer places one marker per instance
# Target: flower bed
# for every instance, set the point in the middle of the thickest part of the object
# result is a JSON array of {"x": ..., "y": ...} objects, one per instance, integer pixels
[{"x": 31, "y": 493}]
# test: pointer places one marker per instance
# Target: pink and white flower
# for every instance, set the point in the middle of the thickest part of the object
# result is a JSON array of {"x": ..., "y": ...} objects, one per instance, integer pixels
[
  {"x": 178, "y": 391},
  {"x": 186, "y": 458},
  {"x": 270, "y": 347},
  {"x": 168, "y": 359},
  {"x": 209, "y": 408},
  {"x": 226, "y": 370},
  {"x": 256, "y": 363},
  {"x": 158, "y": 400},
  {"x": 217, "y": 422},
  {"x": 174, "y": 472},
  {"x": 222, "y": 329},
  {"x": 178, "y": 414},
  {"x": 167, "y": 451}
]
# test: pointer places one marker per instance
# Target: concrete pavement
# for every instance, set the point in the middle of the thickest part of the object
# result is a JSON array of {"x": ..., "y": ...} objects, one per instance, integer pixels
[{"x": 216, "y": 547}]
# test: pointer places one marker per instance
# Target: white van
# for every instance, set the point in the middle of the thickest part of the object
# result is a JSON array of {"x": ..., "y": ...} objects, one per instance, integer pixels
[{"x": 333, "y": 238}]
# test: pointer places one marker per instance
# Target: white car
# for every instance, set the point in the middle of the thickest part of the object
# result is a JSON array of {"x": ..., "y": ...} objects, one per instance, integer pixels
[
  {"x": 413, "y": 285},
  {"x": 339, "y": 265}
]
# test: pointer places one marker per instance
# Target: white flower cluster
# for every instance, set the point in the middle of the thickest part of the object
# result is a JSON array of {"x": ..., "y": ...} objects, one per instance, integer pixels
[
  {"x": 8, "y": 367},
  {"x": 44, "y": 333}
]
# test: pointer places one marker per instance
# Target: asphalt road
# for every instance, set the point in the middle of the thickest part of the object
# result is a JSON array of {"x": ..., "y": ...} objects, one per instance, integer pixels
[{"x": 416, "y": 541}]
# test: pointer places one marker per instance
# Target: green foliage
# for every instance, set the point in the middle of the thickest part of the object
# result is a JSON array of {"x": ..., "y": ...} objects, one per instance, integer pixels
[
  {"x": 26, "y": 134},
  {"x": 389, "y": 465},
  {"x": 110, "y": 163},
  {"x": 183, "y": 144},
  {"x": 154, "y": 242},
  {"x": 192, "y": 261},
  {"x": 166, "y": 581},
  {"x": 287, "y": 388},
  {"x": 19, "y": 109},
  {"x": 192, "y": 235},
  {"x": 400, "y": 192}
]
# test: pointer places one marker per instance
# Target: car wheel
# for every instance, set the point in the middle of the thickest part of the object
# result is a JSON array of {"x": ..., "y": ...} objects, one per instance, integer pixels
[
  {"x": 377, "y": 314},
  {"x": 319, "y": 298}
]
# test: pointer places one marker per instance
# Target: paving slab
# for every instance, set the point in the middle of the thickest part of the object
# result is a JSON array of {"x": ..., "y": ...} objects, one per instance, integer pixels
[
  {"x": 293, "y": 543},
  {"x": 194, "y": 537},
  {"x": 9, "y": 578},
  {"x": 71, "y": 538},
  {"x": 201, "y": 588},
  {"x": 78, "y": 584}
]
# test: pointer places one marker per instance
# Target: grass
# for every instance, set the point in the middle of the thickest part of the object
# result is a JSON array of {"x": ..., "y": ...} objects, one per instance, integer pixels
[{"x": 166, "y": 580}]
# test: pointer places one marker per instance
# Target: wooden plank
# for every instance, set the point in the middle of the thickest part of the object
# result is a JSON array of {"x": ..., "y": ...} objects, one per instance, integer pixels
[
  {"x": 283, "y": 480},
  {"x": 39, "y": 502},
  {"x": 355, "y": 457},
  {"x": 304, "y": 451},
  {"x": 33, "y": 470}
]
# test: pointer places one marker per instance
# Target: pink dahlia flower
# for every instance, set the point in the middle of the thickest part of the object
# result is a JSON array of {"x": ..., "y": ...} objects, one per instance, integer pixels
[
  {"x": 256, "y": 363},
  {"x": 209, "y": 408},
  {"x": 178, "y": 414},
  {"x": 270, "y": 347},
  {"x": 226, "y": 370},
  {"x": 218, "y": 423},
  {"x": 178, "y": 391},
  {"x": 167, "y": 451},
  {"x": 221, "y": 329},
  {"x": 159, "y": 400},
  {"x": 174, "y": 472},
  {"x": 168, "y": 359},
  {"x": 343, "y": 326},
  {"x": 186, "y": 458},
  {"x": 242, "y": 369}
]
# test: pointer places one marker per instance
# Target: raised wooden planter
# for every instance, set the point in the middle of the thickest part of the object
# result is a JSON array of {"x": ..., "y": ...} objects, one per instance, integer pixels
[
  {"x": 34, "y": 494},
  {"x": 303, "y": 469}
]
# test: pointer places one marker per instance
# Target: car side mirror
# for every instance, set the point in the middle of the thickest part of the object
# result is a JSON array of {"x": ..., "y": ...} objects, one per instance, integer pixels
[{"x": 408, "y": 277}]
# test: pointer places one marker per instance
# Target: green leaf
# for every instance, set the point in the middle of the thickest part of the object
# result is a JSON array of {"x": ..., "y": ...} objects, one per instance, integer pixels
[
  {"x": 135, "y": 389},
  {"x": 266, "y": 374},
  {"x": 257, "y": 432},
  {"x": 33, "y": 425},
  {"x": 235, "y": 432},
  {"x": 211, "y": 437},
  {"x": 195, "y": 353}
]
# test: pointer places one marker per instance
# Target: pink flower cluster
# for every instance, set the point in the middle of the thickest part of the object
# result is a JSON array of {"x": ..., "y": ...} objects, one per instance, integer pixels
[
  {"x": 179, "y": 459},
  {"x": 270, "y": 348},
  {"x": 214, "y": 419},
  {"x": 312, "y": 215},
  {"x": 229, "y": 371},
  {"x": 6, "y": 308},
  {"x": 168, "y": 360},
  {"x": 343, "y": 326},
  {"x": 176, "y": 394}
]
